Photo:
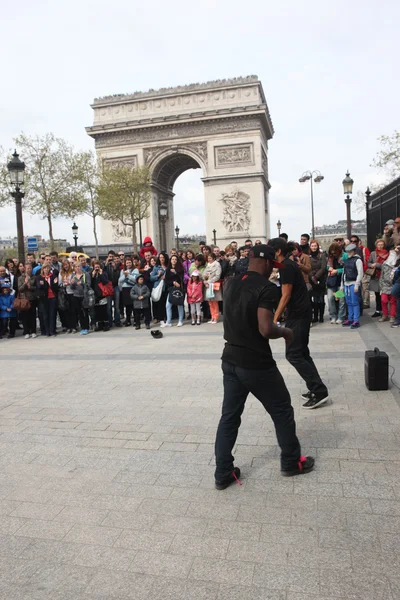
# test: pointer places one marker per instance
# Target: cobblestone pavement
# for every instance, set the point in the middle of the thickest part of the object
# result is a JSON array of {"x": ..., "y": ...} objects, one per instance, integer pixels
[{"x": 106, "y": 480}]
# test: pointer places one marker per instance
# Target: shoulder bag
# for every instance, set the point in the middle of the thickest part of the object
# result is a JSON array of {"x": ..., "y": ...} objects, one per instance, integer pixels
[
  {"x": 107, "y": 289},
  {"x": 21, "y": 304},
  {"x": 156, "y": 292},
  {"x": 176, "y": 297}
]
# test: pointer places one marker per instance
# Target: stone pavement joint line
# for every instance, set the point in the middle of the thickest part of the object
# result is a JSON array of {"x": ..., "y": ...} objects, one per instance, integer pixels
[{"x": 106, "y": 480}]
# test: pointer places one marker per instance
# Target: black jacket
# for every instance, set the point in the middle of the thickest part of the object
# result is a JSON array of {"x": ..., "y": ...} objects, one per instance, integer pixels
[
  {"x": 241, "y": 266},
  {"x": 171, "y": 277},
  {"x": 42, "y": 287},
  {"x": 113, "y": 273},
  {"x": 96, "y": 279}
]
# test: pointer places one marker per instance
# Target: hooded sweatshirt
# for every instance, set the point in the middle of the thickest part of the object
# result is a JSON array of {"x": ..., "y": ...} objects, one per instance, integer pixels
[{"x": 147, "y": 245}]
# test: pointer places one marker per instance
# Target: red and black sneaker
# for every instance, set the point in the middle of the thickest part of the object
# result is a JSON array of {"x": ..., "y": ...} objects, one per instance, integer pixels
[
  {"x": 305, "y": 465},
  {"x": 231, "y": 478}
]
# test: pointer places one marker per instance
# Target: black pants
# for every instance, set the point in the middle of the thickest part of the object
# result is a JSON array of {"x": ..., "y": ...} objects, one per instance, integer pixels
[
  {"x": 10, "y": 324},
  {"x": 378, "y": 300},
  {"x": 28, "y": 318},
  {"x": 81, "y": 314},
  {"x": 268, "y": 387},
  {"x": 146, "y": 313},
  {"x": 159, "y": 310},
  {"x": 298, "y": 354}
]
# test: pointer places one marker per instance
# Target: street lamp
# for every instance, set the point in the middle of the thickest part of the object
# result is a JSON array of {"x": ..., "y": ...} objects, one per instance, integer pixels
[
  {"x": 177, "y": 236},
  {"x": 367, "y": 195},
  {"x": 308, "y": 176},
  {"x": 75, "y": 234},
  {"x": 16, "y": 170},
  {"x": 215, "y": 236},
  {"x": 163, "y": 210},
  {"x": 348, "y": 190},
  {"x": 279, "y": 226}
]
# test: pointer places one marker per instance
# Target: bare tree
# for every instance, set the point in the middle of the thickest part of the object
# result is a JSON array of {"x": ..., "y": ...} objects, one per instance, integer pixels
[
  {"x": 388, "y": 157},
  {"x": 51, "y": 183},
  {"x": 88, "y": 176},
  {"x": 125, "y": 195}
]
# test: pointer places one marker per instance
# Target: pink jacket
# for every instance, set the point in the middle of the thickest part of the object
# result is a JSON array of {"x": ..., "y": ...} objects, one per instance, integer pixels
[{"x": 194, "y": 292}]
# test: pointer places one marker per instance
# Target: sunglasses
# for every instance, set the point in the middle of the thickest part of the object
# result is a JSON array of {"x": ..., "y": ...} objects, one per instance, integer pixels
[{"x": 121, "y": 255}]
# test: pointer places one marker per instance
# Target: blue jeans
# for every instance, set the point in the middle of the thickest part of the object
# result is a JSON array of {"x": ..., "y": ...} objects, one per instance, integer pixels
[
  {"x": 169, "y": 312},
  {"x": 48, "y": 310},
  {"x": 337, "y": 308},
  {"x": 116, "y": 299},
  {"x": 353, "y": 303},
  {"x": 396, "y": 293},
  {"x": 268, "y": 387}
]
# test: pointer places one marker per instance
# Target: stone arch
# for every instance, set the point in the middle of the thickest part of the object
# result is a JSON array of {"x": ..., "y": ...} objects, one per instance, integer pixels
[{"x": 222, "y": 127}]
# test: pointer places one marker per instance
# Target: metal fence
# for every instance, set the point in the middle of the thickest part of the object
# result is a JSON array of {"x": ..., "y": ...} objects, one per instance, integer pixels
[{"x": 382, "y": 206}]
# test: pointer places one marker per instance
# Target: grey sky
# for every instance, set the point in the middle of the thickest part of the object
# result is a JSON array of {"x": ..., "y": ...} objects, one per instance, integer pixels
[{"x": 328, "y": 72}]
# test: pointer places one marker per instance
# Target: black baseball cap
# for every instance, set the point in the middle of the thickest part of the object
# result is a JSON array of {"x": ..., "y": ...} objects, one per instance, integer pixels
[{"x": 267, "y": 253}]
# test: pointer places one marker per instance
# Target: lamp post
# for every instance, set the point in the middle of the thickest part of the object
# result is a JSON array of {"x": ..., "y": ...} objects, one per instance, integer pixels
[
  {"x": 215, "y": 236},
  {"x": 279, "y": 226},
  {"x": 163, "y": 210},
  {"x": 16, "y": 170},
  {"x": 177, "y": 236},
  {"x": 75, "y": 234},
  {"x": 348, "y": 190},
  {"x": 308, "y": 176},
  {"x": 367, "y": 195}
]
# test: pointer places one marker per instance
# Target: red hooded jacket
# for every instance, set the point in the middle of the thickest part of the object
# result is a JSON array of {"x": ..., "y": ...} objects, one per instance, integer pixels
[{"x": 148, "y": 245}]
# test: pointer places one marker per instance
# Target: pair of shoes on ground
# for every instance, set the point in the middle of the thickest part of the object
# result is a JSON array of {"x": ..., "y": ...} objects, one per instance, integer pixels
[
  {"x": 336, "y": 322},
  {"x": 385, "y": 318},
  {"x": 138, "y": 327},
  {"x": 196, "y": 323},
  {"x": 212, "y": 322},
  {"x": 163, "y": 324},
  {"x": 352, "y": 325},
  {"x": 314, "y": 400},
  {"x": 305, "y": 465}
]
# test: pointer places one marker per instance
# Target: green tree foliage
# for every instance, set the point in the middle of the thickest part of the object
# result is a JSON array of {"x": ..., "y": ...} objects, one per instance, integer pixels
[
  {"x": 125, "y": 195},
  {"x": 52, "y": 186}
]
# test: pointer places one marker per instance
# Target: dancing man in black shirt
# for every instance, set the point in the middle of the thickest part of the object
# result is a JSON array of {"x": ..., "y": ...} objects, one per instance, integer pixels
[
  {"x": 296, "y": 299},
  {"x": 248, "y": 367}
]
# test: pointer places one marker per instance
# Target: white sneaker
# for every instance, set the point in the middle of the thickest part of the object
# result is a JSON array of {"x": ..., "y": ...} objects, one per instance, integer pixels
[
  {"x": 33, "y": 335},
  {"x": 166, "y": 325},
  {"x": 162, "y": 323},
  {"x": 210, "y": 321},
  {"x": 27, "y": 336},
  {"x": 333, "y": 321},
  {"x": 339, "y": 322},
  {"x": 214, "y": 322},
  {"x": 180, "y": 324}
]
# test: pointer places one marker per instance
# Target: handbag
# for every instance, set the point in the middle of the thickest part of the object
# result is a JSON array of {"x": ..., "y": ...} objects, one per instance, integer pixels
[
  {"x": 107, "y": 289},
  {"x": 210, "y": 292},
  {"x": 370, "y": 271},
  {"x": 156, "y": 292},
  {"x": 217, "y": 286},
  {"x": 176, "y": 297},
  {"x": 89, "y": 298},
  {"x": 62, "y": 299},
  {"x": 21, "y": 304}
]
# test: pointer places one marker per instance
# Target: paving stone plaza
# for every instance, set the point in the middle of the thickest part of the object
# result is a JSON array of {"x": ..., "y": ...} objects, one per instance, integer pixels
[{"x": 106, "y": 451}]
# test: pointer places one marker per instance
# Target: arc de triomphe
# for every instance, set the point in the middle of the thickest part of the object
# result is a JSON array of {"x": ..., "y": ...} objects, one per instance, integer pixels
[{"x": 221, "y": 127}]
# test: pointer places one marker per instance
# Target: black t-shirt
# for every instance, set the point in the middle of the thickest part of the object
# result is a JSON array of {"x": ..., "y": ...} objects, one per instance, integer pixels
[
  {"x": 299, "y": 304},
  {"x": 245, "y": 346}
]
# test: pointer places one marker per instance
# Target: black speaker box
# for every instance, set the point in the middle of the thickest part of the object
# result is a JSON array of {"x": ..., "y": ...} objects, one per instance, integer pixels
[{"x": 376, "y": 368}]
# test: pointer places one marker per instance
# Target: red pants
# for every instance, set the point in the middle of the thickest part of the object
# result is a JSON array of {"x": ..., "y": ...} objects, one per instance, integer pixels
[{"x": 386, "y": 298}]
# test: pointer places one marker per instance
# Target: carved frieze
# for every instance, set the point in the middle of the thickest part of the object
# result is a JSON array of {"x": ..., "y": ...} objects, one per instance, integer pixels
[
  {"x": 176, "y": 131},
  {"x": 199, "y": 148},
  {"x": 122, "y": 161},
  {"x": 234, "y": 155},
  {"x": 236, "y": 217}
]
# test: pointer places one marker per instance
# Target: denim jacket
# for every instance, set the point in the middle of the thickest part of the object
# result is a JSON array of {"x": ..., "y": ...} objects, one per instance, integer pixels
[{"x": 154, "y": 275}]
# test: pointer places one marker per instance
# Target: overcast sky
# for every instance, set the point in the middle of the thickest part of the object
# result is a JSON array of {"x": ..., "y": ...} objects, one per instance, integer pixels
[{"x": 329, "y": 74}]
